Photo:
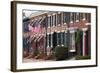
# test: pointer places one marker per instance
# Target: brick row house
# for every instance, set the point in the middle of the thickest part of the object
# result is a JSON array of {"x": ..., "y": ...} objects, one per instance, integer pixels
[{"x": 43, "y": 31}]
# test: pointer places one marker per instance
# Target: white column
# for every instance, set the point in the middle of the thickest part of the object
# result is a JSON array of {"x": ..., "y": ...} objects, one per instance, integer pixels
[
  {"x": 84, "y": 40},
  {"x": 72, "y": 44},
  {"x": 48, "y": 21},
  {"x": 59, "y": 18},
  {"x": 48, "y": 47},
  {"x": 77, "y": 17},
  {"x": 51, "y": 21},
  {"x": 48, "y": 40},
  {"x": 62, "y": 18},
  {"x": 44, "y": 39},
  {"x": 71, "y": 14},
  {"x": 83, "y": 44},
  {"x": 54, "y": 20},
  {"x": 51, "y": 39}
]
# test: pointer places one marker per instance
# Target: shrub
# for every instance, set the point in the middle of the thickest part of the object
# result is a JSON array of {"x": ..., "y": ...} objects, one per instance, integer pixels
[
  {"x": 82, "y": 57},
  {"x": 61, "y": 53}
]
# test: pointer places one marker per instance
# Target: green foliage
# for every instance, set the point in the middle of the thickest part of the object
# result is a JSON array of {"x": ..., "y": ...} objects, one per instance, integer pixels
[
  {"x": 82, "y": 57},
  {"x": 61, "y": 53}
]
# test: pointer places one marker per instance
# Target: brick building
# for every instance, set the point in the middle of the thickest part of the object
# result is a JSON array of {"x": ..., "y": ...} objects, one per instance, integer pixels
[{"x": 45, "y": 30}]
